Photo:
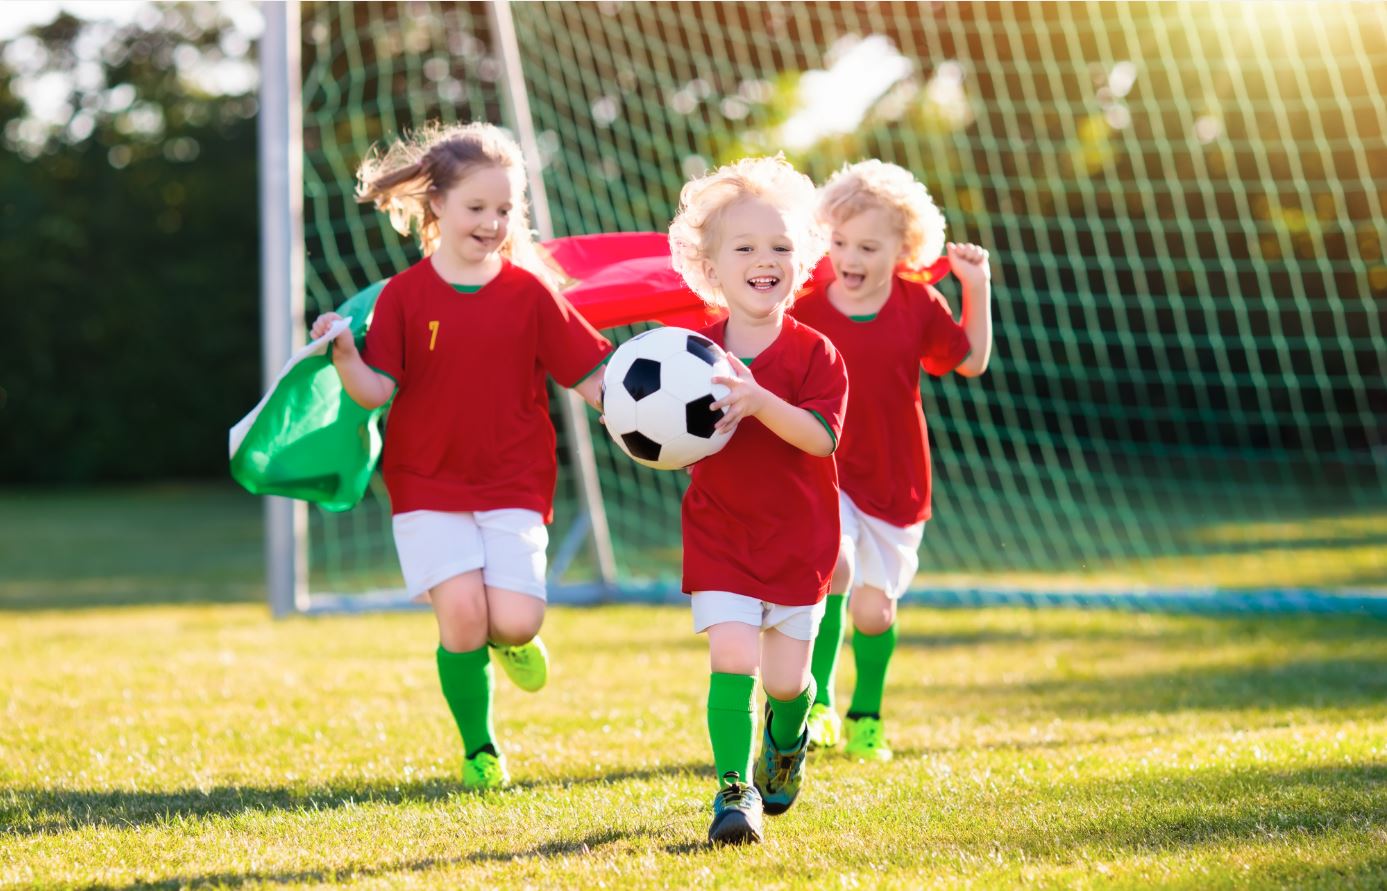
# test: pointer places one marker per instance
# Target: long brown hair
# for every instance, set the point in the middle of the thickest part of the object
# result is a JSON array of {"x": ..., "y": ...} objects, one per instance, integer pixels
[{"x": 426, "y": 163}]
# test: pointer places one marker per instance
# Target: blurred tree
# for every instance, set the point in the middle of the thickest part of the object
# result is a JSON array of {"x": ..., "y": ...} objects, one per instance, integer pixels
[{"x": 128, "y": 246}]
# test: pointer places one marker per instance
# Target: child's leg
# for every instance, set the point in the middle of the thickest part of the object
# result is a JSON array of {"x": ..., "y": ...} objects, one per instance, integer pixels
[
  {"x": 514, "y": 635},
  {"x": 733, "y": 647},
  {"x": 873, "y": 643},
  {"x": 514, "y": 542},
  {"x": 888, "y": 557},
  {"x": 828, "y": 643},
  {"x": 733, "y": 651},
  {"x": 785, "y": 652},
  {"x": 441, "y": 556},
  {"x": 789, "y": 683},
  {"x": 464, "y": 665},
  {"x": 513, "y": 618}
]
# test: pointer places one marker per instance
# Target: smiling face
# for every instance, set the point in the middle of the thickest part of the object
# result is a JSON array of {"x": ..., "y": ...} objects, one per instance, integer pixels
[
  {"x": 752, "y": 264},
  {"x": 865, "y": 250},
  {"x": 474, "y": 215}
]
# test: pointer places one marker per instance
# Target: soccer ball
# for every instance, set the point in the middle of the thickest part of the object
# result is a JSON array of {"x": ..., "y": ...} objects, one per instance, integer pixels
[{"x": 656, "y": 397}]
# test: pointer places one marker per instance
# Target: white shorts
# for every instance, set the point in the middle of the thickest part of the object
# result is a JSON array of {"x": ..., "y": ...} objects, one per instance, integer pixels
[
  {"x": 506, "y": 545},
  {"x": 715, "y": 607},
  {"x": 881, "y": 554}
]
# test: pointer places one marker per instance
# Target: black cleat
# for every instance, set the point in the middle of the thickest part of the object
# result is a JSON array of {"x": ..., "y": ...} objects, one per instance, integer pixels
[{"x": 736, "y": 813}]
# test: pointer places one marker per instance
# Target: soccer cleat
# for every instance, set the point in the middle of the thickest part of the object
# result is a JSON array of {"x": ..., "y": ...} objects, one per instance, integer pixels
[
  {"x": 779, "y": 774},
  {"x": 825, "y": 727},
  {"x": 484, "y": 772},
  {"x": 736, "y": 813},
  {"x": 527, "y": 665},
  {"x": 866, "y": 740}
]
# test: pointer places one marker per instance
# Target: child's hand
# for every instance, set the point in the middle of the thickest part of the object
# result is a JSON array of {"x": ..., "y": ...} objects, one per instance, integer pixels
[
  {"x": 343, "y": 342},
  {"x": 745, "y": 398},
  {"x": 968, "y": 263}
]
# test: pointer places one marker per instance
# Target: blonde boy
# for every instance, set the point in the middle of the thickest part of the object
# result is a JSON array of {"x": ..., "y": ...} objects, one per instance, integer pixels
[
  {"x": 760, "y": 517},
  {"x": 887, "y": 325}
]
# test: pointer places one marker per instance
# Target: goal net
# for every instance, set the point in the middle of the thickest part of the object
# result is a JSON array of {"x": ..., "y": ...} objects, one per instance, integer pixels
[{"x": 1183, "y": 201}]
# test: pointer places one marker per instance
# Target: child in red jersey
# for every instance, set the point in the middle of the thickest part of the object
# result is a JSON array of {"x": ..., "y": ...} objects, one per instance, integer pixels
[
  {"x": 887, "y": 327},
  {"x": 760, "y": 517},
  {"x": 464, "y": 340}
]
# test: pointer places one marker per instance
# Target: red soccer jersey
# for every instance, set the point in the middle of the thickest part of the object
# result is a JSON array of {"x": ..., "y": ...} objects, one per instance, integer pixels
[
  {"x": 883, "y": 460},
  {"x": 470, "y": 429},
  {"x": 761, "y": 516}
]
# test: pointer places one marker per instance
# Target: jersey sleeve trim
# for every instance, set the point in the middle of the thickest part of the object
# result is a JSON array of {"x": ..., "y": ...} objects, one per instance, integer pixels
[
  {"x": 605, "y": 356},
  {"x": 831, "y": 437}
]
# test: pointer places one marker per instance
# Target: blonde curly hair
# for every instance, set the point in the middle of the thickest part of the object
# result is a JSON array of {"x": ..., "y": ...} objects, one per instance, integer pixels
[
  {"x": 867, "y": 184},
  {"x": 425, "y": 164},
  {"x": 695, "y": 232}
]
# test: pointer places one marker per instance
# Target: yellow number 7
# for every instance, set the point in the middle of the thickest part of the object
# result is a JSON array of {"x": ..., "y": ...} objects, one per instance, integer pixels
[{"x": 433, "y": 335}]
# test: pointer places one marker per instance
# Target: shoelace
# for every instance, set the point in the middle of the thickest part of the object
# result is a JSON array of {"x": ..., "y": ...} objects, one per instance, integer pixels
[
  {"x": 871, "y": 733},
  {"x": 732, "y": 795},
  {"x": 784, "y": 770}
]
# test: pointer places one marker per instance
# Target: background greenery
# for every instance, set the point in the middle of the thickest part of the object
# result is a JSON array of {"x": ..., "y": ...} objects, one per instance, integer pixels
[{"x": 129, "y": 253}]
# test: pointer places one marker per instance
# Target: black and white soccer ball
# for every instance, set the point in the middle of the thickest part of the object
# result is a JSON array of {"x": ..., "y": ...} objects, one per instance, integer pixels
[{"x": 656, "y": 397}]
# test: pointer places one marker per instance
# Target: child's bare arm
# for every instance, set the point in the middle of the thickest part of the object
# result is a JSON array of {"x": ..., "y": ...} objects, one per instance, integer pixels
[
  {"x": 590, "y": 388},
  {"x": 970, "y": 266},
  {"x": 798, "y": 427},
  {"x": 367, "y": 387},
  {"x": 746, "y": 398}
]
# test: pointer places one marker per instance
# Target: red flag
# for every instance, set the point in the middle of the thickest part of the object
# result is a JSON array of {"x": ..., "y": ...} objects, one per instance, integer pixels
[{"x": 625, "y": 277}]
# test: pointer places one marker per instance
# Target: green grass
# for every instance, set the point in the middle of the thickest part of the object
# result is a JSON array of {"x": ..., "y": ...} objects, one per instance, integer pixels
[
  {"x": 180, "y": 744},
  {"x": 126, "y": 546}
]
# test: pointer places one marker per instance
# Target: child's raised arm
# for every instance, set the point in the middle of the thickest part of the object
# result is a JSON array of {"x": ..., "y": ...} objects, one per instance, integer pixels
[{"x": 969, "y": 264}]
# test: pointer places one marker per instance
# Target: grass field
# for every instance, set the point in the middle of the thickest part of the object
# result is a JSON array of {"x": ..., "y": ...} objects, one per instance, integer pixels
[{"x": 151, "y": 739}]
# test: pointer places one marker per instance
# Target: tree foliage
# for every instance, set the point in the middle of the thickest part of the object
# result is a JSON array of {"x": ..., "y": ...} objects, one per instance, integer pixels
[{"x": 128, "y": 248}]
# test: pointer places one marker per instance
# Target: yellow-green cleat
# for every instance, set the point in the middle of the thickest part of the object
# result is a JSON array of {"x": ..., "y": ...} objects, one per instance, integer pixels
[
  {"x": 779, "y": 774},
  {"x": 825, "y": 727},
  {"x": 527, "y": 665},
  {"x": 866, "y": 740},
  {"x": 484, "y": 772}
]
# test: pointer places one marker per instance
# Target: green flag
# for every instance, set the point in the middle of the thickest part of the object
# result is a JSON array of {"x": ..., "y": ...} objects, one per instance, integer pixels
[{"x": 307, "y": 439}]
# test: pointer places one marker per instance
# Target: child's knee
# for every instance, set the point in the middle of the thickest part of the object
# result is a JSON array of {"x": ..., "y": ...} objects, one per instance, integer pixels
[
  {"x": 784, "y": 689},
  {"x": 512, "y": 631},
  {"x": 514, "y": 619},
  {"x": 872, "y": 611},
  {"x": 461, "y": 611},
  {"x": 734, "y": 648}
]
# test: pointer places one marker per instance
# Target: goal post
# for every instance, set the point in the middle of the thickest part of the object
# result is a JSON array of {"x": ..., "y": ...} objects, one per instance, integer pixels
[{"x": 280, "y": 147}]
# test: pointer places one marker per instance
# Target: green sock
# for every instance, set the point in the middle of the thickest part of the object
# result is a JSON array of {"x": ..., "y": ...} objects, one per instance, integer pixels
[
  {"x": 788, "y": 715},
  {"x": 827, "y": 644},
  {"x": 872, "y": 653},
  {"x": 730, "y": 725},
  {"x": 467, "y": 683}
]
